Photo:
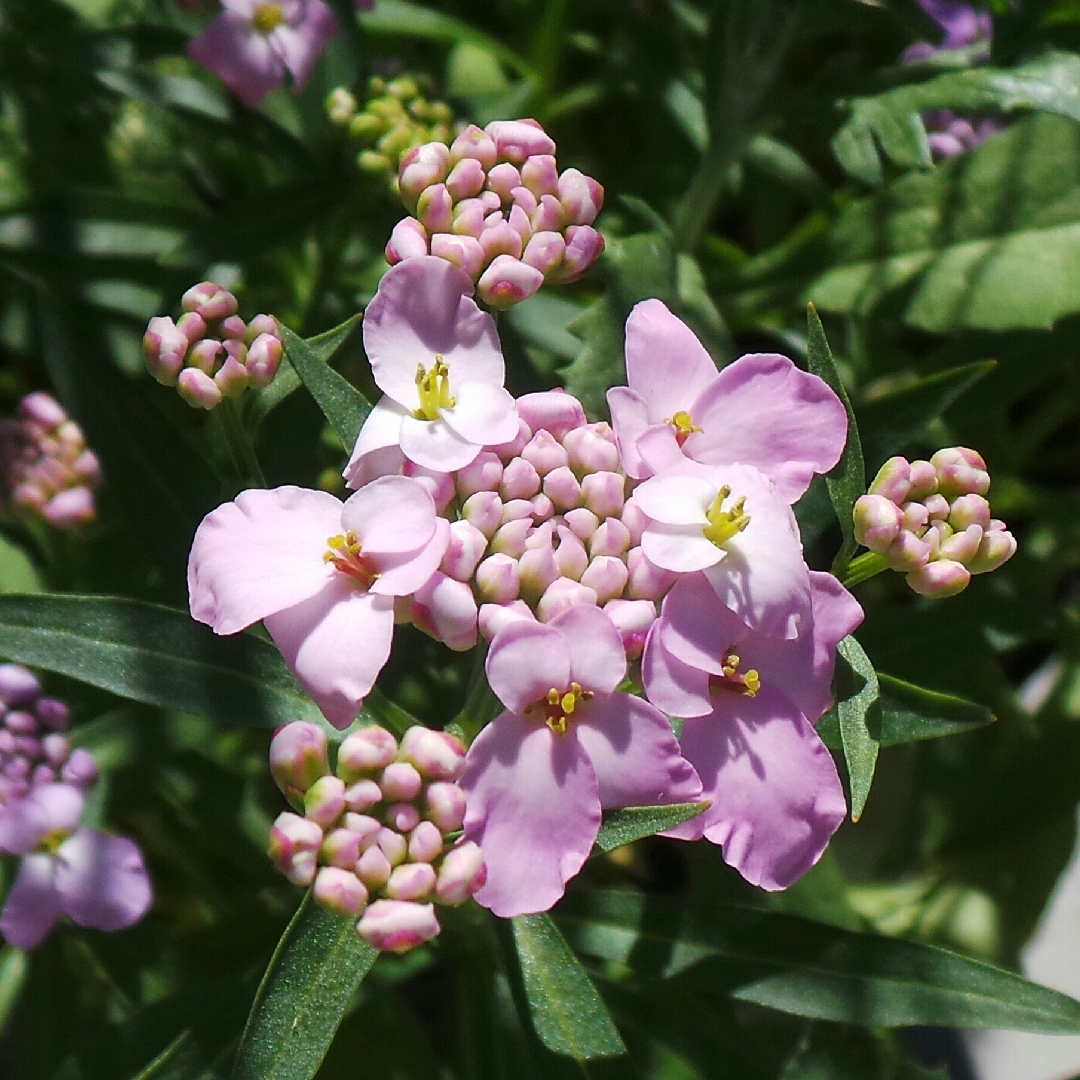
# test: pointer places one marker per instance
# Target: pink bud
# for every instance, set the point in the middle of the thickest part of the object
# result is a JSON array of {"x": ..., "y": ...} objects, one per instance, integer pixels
[
  {"x": 445, "y": 608},
  {"x": 462, "y": 873},
  {"x": 483, "y": 473},
  {"x": 581, "y": 522},
  {"x": 606, "y": 575},
  {"x": 502, "y": 179},
  {"x": 633, "y": 619},
  {"x": 440, "y": 485},
  {"x": 70, "y": 508},
  {"x": 324, "y": 801},
  {"x": 525, "y": 201},
  {"x": 464, "y": 551},
  {"x": 232, "y": 377},
  {"x": 402, "y": 817},
  {"x": 511, "y": 537},
  {"x": 562, "y": 488},
  {"x": 592, "y": 448},
  {"x": 44, "y": 409},
  {"x": 420, "y": 168},
  {"x": 561, "y": 595},
  {"x": 465, "y": 252},
  {"x": 893, "y": 480},
  {"x": 960, "y": 471},
  {"x": 294, "y": 847},
  {"x": 54, "y": 714},
  {"x": 540, "y": 175},
  {"x": 570, "y": 554},
  {"x": 434, "y": 208},
  {"x": 365, "y": 752},
  {"x": 425, "y": 843},
  {"x": 366, "y": 829},
  {"x": 513, "y": 448},
  {"x": 924, "y": 480},
  {"x": 264, "y": 359},
  {"x": 497, "y": 580},
  {"x": 537, "y": 569},
  {"x": 393, "y": 845},
  {"x": 466, "y": 179},
  {"x": 553, "y": 411},
  {"x": 475, "y": 143},
  {"x": 408, "y": 240},
  {"x": 939, "y": 579},
  {"x": 210, "y": 300},
  {"x": 412, "y": 881},
  {"x": 907, "y": 552},
  {"x": 878, "y": 521},
  {"x": 544, "y": 453},
  {"x": 373, "y": 868},
  {"x": 517, "y": 140},
  {"x": 400, "y": 782},
  {"x": 298, "y": 757},
  {"x": 937, "y": 507},
  {"x": 164, "y": 347},
  {"x": 469, "y": 215},
  {"x": 969, "y": 510},
  {"x": 520, "y": 480},
  {"x": 549, "y": 216},
  {"x": 17, "y": 769},
  {"x": 80, "y": 770},
  {"x": 28, "y": 746},
  {"x": 646, "y": 580},
  {"x": 261, "y": 324},
  {"x": 544, "y": 252},
  {"x": 961, "y": 546},
  {"x": 501, "y": 239},
  {"x": 198, "y": 389},
  {"x": 437, "y": 755},
  {"x": 483, "y": 510},
  {"x": 997, "y": 548},
  {"x": 362, "y": 795},
  {"x": 493, "y": 617},
  {"x": 192, "y": 325},
  {"x": 612, "y": 537},
  {"x": 339, "y": 890},
  {"x": 340, "y": 848},
  {"x": 42, "y": 774},
  {"x": 56, "y": 749},
  {"x": 518, "y": 220},
  {"x": 581, "y": 197},
  {"x": 397, "y": 926},
  {"x": 915, "y": 516},
  {"x": 584, "y": 245},
  {"x": 444, "y": 806},
  {"x": 87, "y": 468},
  {"x": 603, "y": 493},
  {"x": 233, "y": 328}
]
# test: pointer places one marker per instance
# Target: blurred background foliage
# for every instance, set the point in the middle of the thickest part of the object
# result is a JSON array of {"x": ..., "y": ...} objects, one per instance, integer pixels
[{"x": 951, "y": 297}]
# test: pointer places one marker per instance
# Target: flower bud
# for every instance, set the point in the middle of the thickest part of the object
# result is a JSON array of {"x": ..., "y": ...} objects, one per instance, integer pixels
[
  {"x": 497, "y": 579},
  {"x": 537, "y": 569},
  {"x": 581, "y": 197},
  {"x": 513, "y": 448},
  {"x": 502, "y": 179},
  {"x": 21, "y": 723},
  {"x": 209, "y": 300},
  {"x": 164, "y": 347},
  {"x": 408, "y": 240},
  {"x": 464, "y": 551},
  {"x": 365, "y": 828},
  {"x": 998, "y": 546},
  {"x": 915, "y": 516},
  {"x": 365, "y": 752},
  {"x": 233, "y": 328},
  {"x": 907, "y": 552},
  {"x": 232, "y": 377},
  {"x": 592, "y": 448},
  {"x": 264, "y": 359},
  {"x": 520, "y": 480},
  {"x": 544, "y": 453},
  {"x": 469, "y": 215},
  {"x": 493, "y": 617},
  {"x": 402, "y": 817},
  {"x": 633, "y": 619},
  {"x": 192, "y": 325},
  {"x": 544, "y": 251},
  {"x": 581, "y": 522},
  {"x": 42, "y": 408},
  {"x": 56, "y": 749},
  {"x": 517, "y": 140},
  {"x": 54, "y": 714},
  {"x": 411, "y": 881},
  {"x": 339, "y": 890},
  {"x": 340, "y": 848},
  {"x": 611, "y": 537},
  {"x": 540, "y": 174},
  {"x": 400, "y": 782},
  {"x": 42, "y": 774},
  {"x": 923, "y": 480},
  {"x": 584, "y": 245},
  {"x": 542, "y": 507},
  {"x": 298, "y": 757},
  {"x": 561, "y": 595},
  {"x": 198, "y": 389},
  {"x": 937, "y": 507},
  {"x": 421, "y": 168},
  {"x": 373, "y": 868},
  {"x": 434, "y": 209},
  {"x": 444, "y": 806},
  {"x": 465, "y": 252},
  {"x": 507, "y": 281},
  {"x": 969, "y": 510},
  {"x": 603, "y": 493},
  {"x": 561, "y": 486},
  {"x": 445, "y": 608},
  {"x": 961, "y": 546},
  {"x": 960, "y": 471},
  {"x": 80, "y": 770},
  {"x": 461, "y": 875},
  {"x": 606, "y": 575},
  {"x": 939, "y": 579},
  {"x": 646, "y": 580},
  {"x": 437, "y": 755},
  {"x": 425, "y": 843},
  {"x": 70, "y": 508},
  {"x": 483, "y": 510},
  {"x": 570, "y": 555},
  {"x": 511, "y": 537},
  {"x": 397, "y": 926},
  {"x": 294, "y": 847},
  {"x": 475, "y": 143},
  {"x": 362, "y": 795},
  {"x": 518, "y": 220},
  {"x": 340, "y": 106},
  {"x": 525, "y": 201},
  {"x": 483, "y": 473},
  {"x": 324, "y": 801},
  {"x": 878, "y": 522},
  {"x": 549, "y": 216},
  {"x": 501, "y": 238},
  {"x": 466, "y": 179},
  {"x": 393, "y": 845}
]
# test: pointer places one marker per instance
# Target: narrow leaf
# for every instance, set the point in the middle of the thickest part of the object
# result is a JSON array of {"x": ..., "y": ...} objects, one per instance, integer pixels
[
  {"x": 637, "y": 822},
  {"x": 858, "y": 706},
  {"x": 303, "y": 997},
  {"x": 809, "y": 968},
  {"x": 341, "y": 403},
  {"x": 567, "y": 1012},
  {"x": 847, "y": 481},
  {"x": 911, "y": 713}
]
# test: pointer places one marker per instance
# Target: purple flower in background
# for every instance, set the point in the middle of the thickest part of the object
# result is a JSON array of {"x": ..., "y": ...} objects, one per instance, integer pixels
[
  {"x": 750, "y": 702},
  {"x": 95, "y": 879},
  {"x": 251, "y": 43},
  {"x": 963, "y": 25}
]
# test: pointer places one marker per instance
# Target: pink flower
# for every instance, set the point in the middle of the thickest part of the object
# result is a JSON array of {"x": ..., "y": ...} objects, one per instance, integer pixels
[
  {"x": 731, "y": 524},
  {"x": 436, "y": 357},
  {"x": 95, "y": 879},
  {"x": 252, "y": 42},
  {"x": 568, "y": 746},
  {"x": 322, "y": 575},
  {"x": 761, "y": 410},
  {"x": 750, "y": 701}
]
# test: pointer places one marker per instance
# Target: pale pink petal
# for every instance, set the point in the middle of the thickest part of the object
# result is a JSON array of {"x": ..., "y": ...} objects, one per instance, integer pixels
[
  {"x": 260, "y": 554},
  {"x": 336, "y": 643},
  {"x": 390, "y": 516},
  {"x": 597, "y": 654},
  {"x": 483, "y": 414},
  {"x": 377, "y": 452},
  {"x": 665, "y": 362},
  {"x": 301, "y": 44},
  {"x": 697, "y": 628},
  {"x": 634, "y": 753},
  {"x": 676, "y": 499},
  {"x": 401, "y": 575},
  {"x": 47, "y": 808},
  {"x": 672, "y": 686},
  {"x": 525, "y": 661},
  {"x": 629, "y": 418},
  {"x": 102, "y": 880},
  {"x": 533, "y": 807},
  {"x": 681, "y": 548},
  {"x": 434, "y": 445},
  {"x": 660, "y": 452},
  {"x": 763, "y": 411},
  {"x": 241, "y": 57},
  {"x": 776, "y": 797},
  {"x": 33, "y": 905}
]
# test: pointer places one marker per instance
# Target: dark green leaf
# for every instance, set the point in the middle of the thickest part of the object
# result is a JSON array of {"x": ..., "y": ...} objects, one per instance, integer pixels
[
  {"x": 341, "y": 403},
  {"x": 810, "y": 969},
  {"x": 636, "y": 822},
  {"x": 567, "y": 1012},
  {"x": 304, "y": 995},
  {"x": 847, "y": 481},
  {"x": 912, "y": 713},
  {"x": 858, "y": 708}
]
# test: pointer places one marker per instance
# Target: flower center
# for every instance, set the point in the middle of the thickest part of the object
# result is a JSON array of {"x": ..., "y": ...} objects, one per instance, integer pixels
[
  {"x": 560, "y": 707},
  {"x": 684, "y": 425},
  {"x": 433, "y": 389},
  {"x": 747, "y": 683},
  {"x": 267, "y": 17},
  {"x": 51, "y": 841},
  {"x": 724, "y": 524},
  {"x": 345, "y": 553}
]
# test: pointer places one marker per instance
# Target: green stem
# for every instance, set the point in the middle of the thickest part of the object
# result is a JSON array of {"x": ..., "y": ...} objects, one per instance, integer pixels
[
  {"x": 240, "y": 447},
  {"x": 863, "y": 568}
]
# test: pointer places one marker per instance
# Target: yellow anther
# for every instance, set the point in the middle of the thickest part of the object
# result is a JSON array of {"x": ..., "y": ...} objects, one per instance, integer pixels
[
  {"x": 345, "y": 552},
  {"x": 753, "y": 683},
  {"x": 561, "y": 706},
  {"x": 684, "y": 425},
  {"x": 748, "y": 683},
  {"x": 267, "y": 17},
  {"x": 51, "y": 841},
  {"x": 433, "y": 389},
  {"x": 724, "y": 524}
]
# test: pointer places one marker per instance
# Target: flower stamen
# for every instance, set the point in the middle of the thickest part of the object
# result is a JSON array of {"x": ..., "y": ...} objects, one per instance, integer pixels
[
  {"x": 747, "y": 683},
  {"x": 561, "y": 706},
  {"x": 725, "y": 524},
  {"x": 684, "y": 426},
  {"x": 267, "y": 17},
  {"x": 346, "y": 555},
  {"x": 433, "y": 389}
]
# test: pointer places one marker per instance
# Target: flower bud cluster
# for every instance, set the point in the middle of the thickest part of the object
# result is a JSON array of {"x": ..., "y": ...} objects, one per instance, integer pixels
[
  {"x": 950, "y": 135},
  {"x": 33, "y": 747},
  {"x": 931, "y": 521},
  {"x": 210, "y": 352},
  {"x": 374, "y": 837},
  {"x": 395, "y": 118},
  {"x": 545, "y": 524},
  {"x": 48, "y": 470},
  {"x": 495, "y": 204}
]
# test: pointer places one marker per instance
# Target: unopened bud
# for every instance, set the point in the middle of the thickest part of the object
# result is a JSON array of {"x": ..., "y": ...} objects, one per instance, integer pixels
[
  {"x": 961, "y": 546},
  {"x": 508, "y": 281},
  {"x": 497, "y": 579},
  {"x": 633, "y": 619},
  {"x": 561, "y": 595},
  {"x": 540, "y": 174},
  {"x": 561, "y": 486},
  {"x": 606, "y": 575},
  {"x": 198, "y": 389},
  {"x": 164, "y": 347},
  {"x": 969, "y": 510},
  {"x": 365, "y": 752},
  {"x": 412, "y": 881},
  {"x": 937, "y": 507},
  {"x": 408, "y": 240},
  {"x": 517, "y": 140},
  {"x": 437, "y": 755},
  {"x": 402, "y": 817},
  {"x": 444, "y": 806},
  {"x": 362, "y": 795},
  {"x": 611, "y": 537},
  {"x": 400, "y": 782},
  {"x": 80, "y": 770},
  {"x": 592, "y": 448},
  {"x": 493, "y": 617},
  {"x": 603, "y": 493},
  {"x": 545, "y": 252},
  {"x": 393, "y": 845},
  {"x": 373, "y": 868},
  {"x": 294, "y": 847},
  {"x": 907, "y": 552},
  {"x": 520, "y": 480},
  {"x": 514, "y": 446},
  {"x": 466, "y": 179},
  {"x": 465, "y": 252},
  {"x": 264, "y": 359},
  {"x": 570, "y": 555},
  {"x": 960, "y": 471},
  {"x": 537, "y": 569},
  {"x": 581, "y": 522},
  {"x": 425, "y": 842},
  {"x": 340, "y": 106},
  {"x": 924, "y": 480},
  {"x": 647, "y": 581},
  {"x": 298, "y": 757},
  {"x": 483, "y": 510},
  {"x": 464, "y": 551},
  {"x": 42, "y": 774},
  {"x": 341, "y": 847},
  {"x": 339, "y": 890},
  {"x": 462, "y": 873},
  {"x": 209, "y": 300},
  {"x": 192, "y": 325},
  {"x": 997, "y": 547},
  {"x": 939, "y": 579},
  {"x": 56, "y": 749},
  {"x": 421, "y": 168},
  {"x": 434, "y": 209},
  {"x": 475, "y": 143},
  {"x": 324, "y": 801},
  {"x": 584, "y": 245},
  {"x": 512, "y": 536},
  {"x": 232, "y": 377},
  {"x": 397, "y": 926},
  {"x": 878, "y": 522},
  {"x": 70, "y": 508}
]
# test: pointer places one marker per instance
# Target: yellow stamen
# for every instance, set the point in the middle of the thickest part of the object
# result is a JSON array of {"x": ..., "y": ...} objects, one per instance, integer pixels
[
  {"x": 347, "y": 556},
  {"x": 724, "y": 524},
  {"x": 684, "y": 425},
  {"x": 433, "y": 389},
  {"x": 51, "y": 841},
  {"x": 748, "y": 684},
  {"x": 560, "y": 707},
  {"x": 267, "y": 17}
]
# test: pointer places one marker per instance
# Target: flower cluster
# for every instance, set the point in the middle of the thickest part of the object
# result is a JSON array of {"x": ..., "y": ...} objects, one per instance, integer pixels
[
  {"x": 495, "y": 204},
  {"x": 395, "y": 118},
  {"x": 210, "y": 352},
  {"x": 95, "y": 879},
  {"x": 931, "y": 521},
  {"x": 376, "y": 835},
  {"x": 48, "y": 470}
]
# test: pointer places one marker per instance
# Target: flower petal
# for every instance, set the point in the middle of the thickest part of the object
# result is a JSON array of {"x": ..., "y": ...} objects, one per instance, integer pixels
[
  {"x": 525, "y": 661},
  {"x": 697, "y": 628},
  {"x": 336, "y": 643},
  {"x": 434, "y": 445},
  {"x": 776, "y": 797},
  {"x": 404, "y": 574},
  {"x": 672, "y": 686},
  {"x": 763, "y": 411},
  {"x": 483, "y": 414},
  {"x": 33, "y": 905},
  {"x": 260, "y": 554},
  {"x": 390, "y": 516},
  {"x": 634, "y": 753},
  {"x": 676, "y": 499},
  {"x": 102, "y": 880},
  {"x": 597, "y": 654},
  {"x": 243, "y": 59},
  {"x": 301, "y": 44},
  {"x": 681, "y": 548},
  {"x": 46, "y": 808},
  {"x": 629, "y": 418},
  {"x": 533, "y": 807},
  {"x": 377, "y": 452}
]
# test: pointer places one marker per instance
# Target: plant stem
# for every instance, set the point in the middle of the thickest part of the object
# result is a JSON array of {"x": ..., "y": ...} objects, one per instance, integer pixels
[
  {"x": 240, "y": 447},
  {"x": 863, "y": 568}
]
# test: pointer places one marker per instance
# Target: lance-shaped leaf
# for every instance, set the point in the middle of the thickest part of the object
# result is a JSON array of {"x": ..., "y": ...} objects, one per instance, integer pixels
[
  {"x": 858, "y": 718},
  {"x": 636, "y": 822},
  {"x": 303, "y": 997},
  {"x": 566, "y": 1010},
  {"x": 912, "y": 713},
  {"x": 808, "y": 968}
]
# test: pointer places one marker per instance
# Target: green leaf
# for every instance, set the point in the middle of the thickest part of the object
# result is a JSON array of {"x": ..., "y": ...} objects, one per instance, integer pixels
[
  {"x": 636, "y": 822},
  {"x": 304, "y": 995},
  {"x": 17, "y": 572},
  {"x": 912, "y": 713},
  {"x": 14, "y": 965},
  {"x": 567, "y": 1012},
  {"x": 989, "y": 240},
  {"x": 858, "y": 709},
  {"x": 808, "y": 968},
  {"x": 847, "y": 480},
  {"x": 341, "y": 403},
  {"x": 153, "y": 654}
]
